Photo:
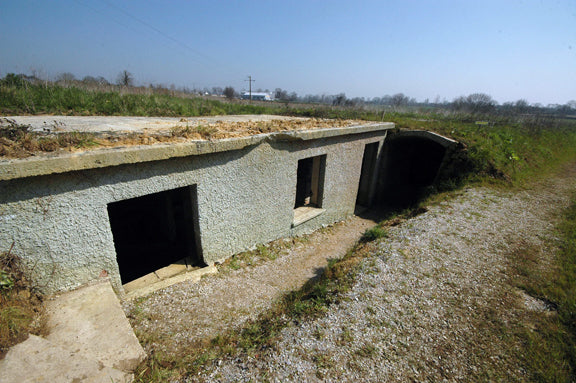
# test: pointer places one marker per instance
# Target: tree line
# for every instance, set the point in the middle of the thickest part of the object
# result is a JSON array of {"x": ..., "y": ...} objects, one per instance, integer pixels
[{"x": 474, "y": 104}]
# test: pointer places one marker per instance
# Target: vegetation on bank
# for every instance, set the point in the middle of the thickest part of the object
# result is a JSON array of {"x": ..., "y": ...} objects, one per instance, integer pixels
[{"x": 20, "y": 303}]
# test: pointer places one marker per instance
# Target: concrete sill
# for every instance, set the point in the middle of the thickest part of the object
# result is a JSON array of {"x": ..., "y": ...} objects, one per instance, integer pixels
[
  {"x": 305, "y": 213},
  {"x": 163, "y": 278}
]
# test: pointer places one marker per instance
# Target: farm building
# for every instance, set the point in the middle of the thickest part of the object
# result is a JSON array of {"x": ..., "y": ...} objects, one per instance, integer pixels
[
  {"x": 258, "y": 96},
  {"x": 132, "y": 209}
]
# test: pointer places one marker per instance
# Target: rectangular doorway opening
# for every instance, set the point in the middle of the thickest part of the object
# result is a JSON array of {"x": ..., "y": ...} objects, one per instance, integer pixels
[
  {"x": 154, "y": 231},
  {"x": 309, "y": 188},
  {"x": 367, "y": 175}
]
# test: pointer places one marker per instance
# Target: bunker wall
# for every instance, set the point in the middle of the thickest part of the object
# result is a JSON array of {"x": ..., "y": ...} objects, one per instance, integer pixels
[{"x": 59, "y": 223}]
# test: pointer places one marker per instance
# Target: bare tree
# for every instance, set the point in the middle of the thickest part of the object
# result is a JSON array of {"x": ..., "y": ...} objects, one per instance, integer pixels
[
  {"x": 475, "y": 103},
  {"x": 125, "y": 78},
  {"x": 399, "y": 99},
  {"x": 280, "y": 94},
  {"x": 229, "y": 92},
  {"x": 480, "y": 103},
  {"x": 339, "y": 99},
  {"x": 66, "y": 78}
]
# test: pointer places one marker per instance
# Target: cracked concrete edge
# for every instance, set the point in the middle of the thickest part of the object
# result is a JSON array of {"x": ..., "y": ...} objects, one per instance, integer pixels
[{"x": 100, "y": 158}]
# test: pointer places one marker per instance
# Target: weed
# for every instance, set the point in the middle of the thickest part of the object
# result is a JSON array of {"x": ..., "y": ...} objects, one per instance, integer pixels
[
  {"x": 234, "y": 263},
  {"x": 374, "y": 233},
  {"x": 266, "y": 253},
  {"x": 206, "y": 131},
  {"x": 323, "y": 361},
  {"x": 366, "y": 351},
  {"x": 319, "y": 334},
  {"x": 346, "y": 337},
  {"x": 20, "y": 304},
  {"x": 370, "y": 310}
]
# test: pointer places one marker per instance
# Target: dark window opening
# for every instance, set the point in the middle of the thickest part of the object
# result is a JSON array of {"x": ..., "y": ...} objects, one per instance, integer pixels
[
  {"x": 154, "y": 231},
  {"x": 310, "y": 181}
]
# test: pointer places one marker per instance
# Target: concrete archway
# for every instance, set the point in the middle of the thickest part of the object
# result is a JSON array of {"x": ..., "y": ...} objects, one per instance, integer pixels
[{"x": 411, "y": 163}]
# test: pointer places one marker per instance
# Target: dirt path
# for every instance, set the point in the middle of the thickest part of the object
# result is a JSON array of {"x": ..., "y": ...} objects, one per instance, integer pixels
[{"x": 185, "y": 314}]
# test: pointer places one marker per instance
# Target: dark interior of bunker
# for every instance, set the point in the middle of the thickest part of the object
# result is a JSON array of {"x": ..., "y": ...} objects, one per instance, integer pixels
[
  {"x": 410, "y": 165},
  {"x": 154, "y": 231}
]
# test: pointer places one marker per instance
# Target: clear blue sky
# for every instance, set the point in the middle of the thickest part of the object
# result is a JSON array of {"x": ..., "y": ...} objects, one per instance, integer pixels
[{"x": 506, "y": 48}]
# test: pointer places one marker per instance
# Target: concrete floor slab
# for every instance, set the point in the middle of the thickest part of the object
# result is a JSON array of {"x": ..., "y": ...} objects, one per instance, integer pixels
[
  {"x": 91, "y": 321},
  {"x": 158, "y": 275},
  {"x": 142, "y": 287},
  {"x": 39, "y": 360}
]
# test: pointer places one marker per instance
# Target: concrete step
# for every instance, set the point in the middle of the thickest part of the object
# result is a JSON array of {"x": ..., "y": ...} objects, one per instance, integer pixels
[
  {"x": 168, "y": 276},
  {"x": 91, "y": 321},
  {"x": 39, "y": 360}
]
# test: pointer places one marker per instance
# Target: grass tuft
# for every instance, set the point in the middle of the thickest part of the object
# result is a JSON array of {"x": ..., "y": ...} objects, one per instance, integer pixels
[{"x": 374, "y": 233}]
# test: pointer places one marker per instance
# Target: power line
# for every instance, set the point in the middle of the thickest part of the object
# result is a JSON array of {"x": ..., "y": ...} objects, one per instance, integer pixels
[
  {"x": 156, "y": 30},
  {"x": 151, "y": 27},
  {"x": 200, "y": 57}
]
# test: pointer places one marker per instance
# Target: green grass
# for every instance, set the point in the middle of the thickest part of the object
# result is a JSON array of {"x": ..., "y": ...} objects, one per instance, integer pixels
[
  {"x": 549, "y": 340},
  {"x": 374, "y": 233},
  {"x": 53, "y": 99}
]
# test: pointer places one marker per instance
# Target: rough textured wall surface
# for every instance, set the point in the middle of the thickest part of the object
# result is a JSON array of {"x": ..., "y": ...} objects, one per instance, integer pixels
[{"x": 59, "y": 223}]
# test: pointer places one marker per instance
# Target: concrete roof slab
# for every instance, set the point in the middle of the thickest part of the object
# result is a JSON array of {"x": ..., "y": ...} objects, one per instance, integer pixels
[{"x": 63, "y": 161}]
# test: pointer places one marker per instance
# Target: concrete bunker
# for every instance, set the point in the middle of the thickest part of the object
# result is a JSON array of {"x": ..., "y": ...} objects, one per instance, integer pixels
[
  {"x": 411, "y": 163},
  {"x": 138, "y": 211},
  {"x": 154, "y": 231}
]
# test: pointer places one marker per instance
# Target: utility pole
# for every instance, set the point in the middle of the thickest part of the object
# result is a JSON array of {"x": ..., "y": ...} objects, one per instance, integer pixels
[{"x": 250, "y": 81}]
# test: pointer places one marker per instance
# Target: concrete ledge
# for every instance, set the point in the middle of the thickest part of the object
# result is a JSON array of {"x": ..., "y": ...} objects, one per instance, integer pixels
[
  {"x": 39, "y": 360},
  {"x": 45, "y": 164},
  {"x": 439, "y": 139},
  {"x": 305, "y": 213},
  {"x": 314, "y": 134},
  {"x": 101, "y": 158}
]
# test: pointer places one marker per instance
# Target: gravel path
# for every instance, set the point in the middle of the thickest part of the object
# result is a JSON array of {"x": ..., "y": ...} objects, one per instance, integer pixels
[
  {"x": 420, "y": 307},
  {"x": 420, "y": 310}
]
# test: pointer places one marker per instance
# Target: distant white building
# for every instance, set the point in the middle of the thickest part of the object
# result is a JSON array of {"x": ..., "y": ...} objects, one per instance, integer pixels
[{"x": 257, "y": 96}]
